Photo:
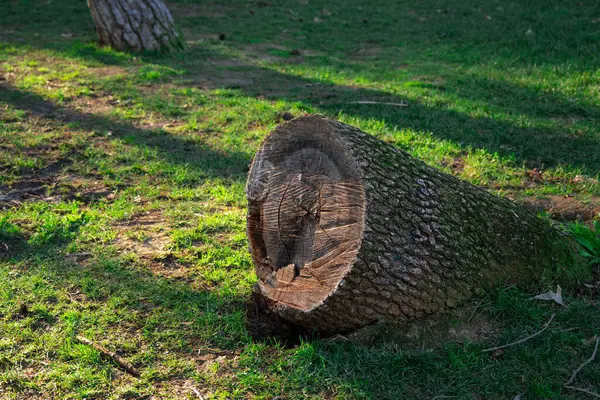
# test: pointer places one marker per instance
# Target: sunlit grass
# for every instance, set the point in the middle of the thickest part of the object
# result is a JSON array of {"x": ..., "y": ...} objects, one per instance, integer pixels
[{"x": 129, "y": 223}]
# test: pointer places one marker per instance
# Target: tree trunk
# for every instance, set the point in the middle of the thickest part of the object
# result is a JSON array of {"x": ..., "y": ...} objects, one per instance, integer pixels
[
  {"x": 137, "y": 25},
  {"x": 346, "y": 230}
]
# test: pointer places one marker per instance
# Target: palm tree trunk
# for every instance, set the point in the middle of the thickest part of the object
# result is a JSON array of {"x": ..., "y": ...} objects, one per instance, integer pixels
[
  {"x": 346, "y": 230},
  {"x": 136, "y": 25}
]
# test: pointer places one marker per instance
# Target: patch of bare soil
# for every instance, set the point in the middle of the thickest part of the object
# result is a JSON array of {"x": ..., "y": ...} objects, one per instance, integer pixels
[
  {"x": 50, "y": 185},
  {"x": 111, "y": 70},
  {"x": 23, "y": 190},
  {"x": 457, "y": 164},
  {"x": 147, "y": 237},
  {"x": 367, "y": 53},
  {"x": 33, "y": 185},
  {"x": 264, "y": 52},
  {"x": 86, "y": 189},
  {"x": 227, "y": 62},
  {"x": 193, "y": 37},
  {"x": 179, "y": 388},
  {"x": 565, "y": 208},
  {"x": 188, "y": 10},
  {"x": 224, "y": 79},
  {"x": 144, "y": 234},
  {"x": 89, "y": 106}
]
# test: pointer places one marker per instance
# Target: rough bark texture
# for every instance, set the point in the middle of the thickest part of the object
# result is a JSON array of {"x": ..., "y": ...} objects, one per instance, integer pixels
[
  {"x": 346, "y": 230},
  {"x": 137, "y": 25}
]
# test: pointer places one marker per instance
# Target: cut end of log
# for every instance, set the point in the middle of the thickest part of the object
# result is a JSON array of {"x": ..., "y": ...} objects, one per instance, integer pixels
[
  {"x": 305, "y": 213},
  {"x": 346, "y": 230}
]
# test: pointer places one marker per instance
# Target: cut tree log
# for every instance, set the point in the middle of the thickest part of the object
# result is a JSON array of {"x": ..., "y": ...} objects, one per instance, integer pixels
[
  {"x": 136, "y": 25},
  {"x": 346, "y": 230}
]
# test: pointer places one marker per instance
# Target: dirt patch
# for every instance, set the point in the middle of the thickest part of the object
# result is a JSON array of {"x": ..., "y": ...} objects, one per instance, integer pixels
[
  {"x": 144, "y": 235},
  {"x": 51, "y": 186},
  {"x": 182, "y": 11},
  {"x": 108, "y": 71},
  {"x": 457, "y": 164},
  {"x": 192, "y": 37},
  {"x": 270, "y": 52},
  {"x": 86, "y": 108},
  {"x": 31, "y": 186},
  {"x": 147, "y": 236},
  {"x": 33, "y": 105},
  {"x": 227, "y": 79},
  {"x": 227, "y": 62},
  {"x": 237, "y": 82},
  {"x": 564, "y": 208},
  {"x": 366, "y": 53},
  {"x": 178, "y": 388},
  {"x": 23, "y": 190},
  {"x": 86, "y": 189}
]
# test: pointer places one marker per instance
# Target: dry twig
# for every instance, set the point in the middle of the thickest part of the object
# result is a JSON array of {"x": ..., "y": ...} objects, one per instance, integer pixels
[
  {"x": 524, "y": 339},
  {"x": 589, "y": 360},
  {"x": 196, "y": 392},
  {"x": 567, "y": 384},
  {"x": 113, "y": 356},
  {"x": 583, "y": 390}
]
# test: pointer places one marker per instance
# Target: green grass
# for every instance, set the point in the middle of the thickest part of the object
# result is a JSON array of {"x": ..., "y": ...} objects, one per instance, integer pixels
[
  {"x": 127, "y": 219},
  {"x": 589, "y": 241}
]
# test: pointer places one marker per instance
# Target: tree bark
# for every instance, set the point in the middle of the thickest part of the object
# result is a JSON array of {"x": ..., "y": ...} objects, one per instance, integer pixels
[
  {"x": 136, "y": 25},
  {"x": 346, "y": 230}
]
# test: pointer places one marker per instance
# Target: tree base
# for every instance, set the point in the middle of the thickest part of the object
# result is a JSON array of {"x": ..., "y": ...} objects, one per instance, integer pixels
[{"x": 136, "y": 25}]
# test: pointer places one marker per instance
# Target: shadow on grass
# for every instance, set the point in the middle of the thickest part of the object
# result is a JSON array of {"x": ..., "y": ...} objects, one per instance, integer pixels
[
  {"x": 423, "y": 43},
  {"x": 173, "y": 304},
  {"x": 260, "y": 324},
  {"x": 551, "y": 144},
  {"x": 356, "y": 367},
  {"x": 173, "y": 149}
]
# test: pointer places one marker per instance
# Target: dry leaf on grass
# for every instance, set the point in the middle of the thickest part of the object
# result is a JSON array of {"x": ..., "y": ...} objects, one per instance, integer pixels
[{"x": 551, "y": 296}]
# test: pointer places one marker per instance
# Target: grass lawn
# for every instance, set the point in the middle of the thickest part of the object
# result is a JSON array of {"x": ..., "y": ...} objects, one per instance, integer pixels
[{"x": 122, "y": 210}]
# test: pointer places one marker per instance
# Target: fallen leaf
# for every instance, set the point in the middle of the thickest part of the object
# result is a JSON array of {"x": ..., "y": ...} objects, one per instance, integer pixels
[
  {"x": 535, "y": 175},
  {"x": 551, "y": 296},
  {"x": 584, "y": 179}
]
